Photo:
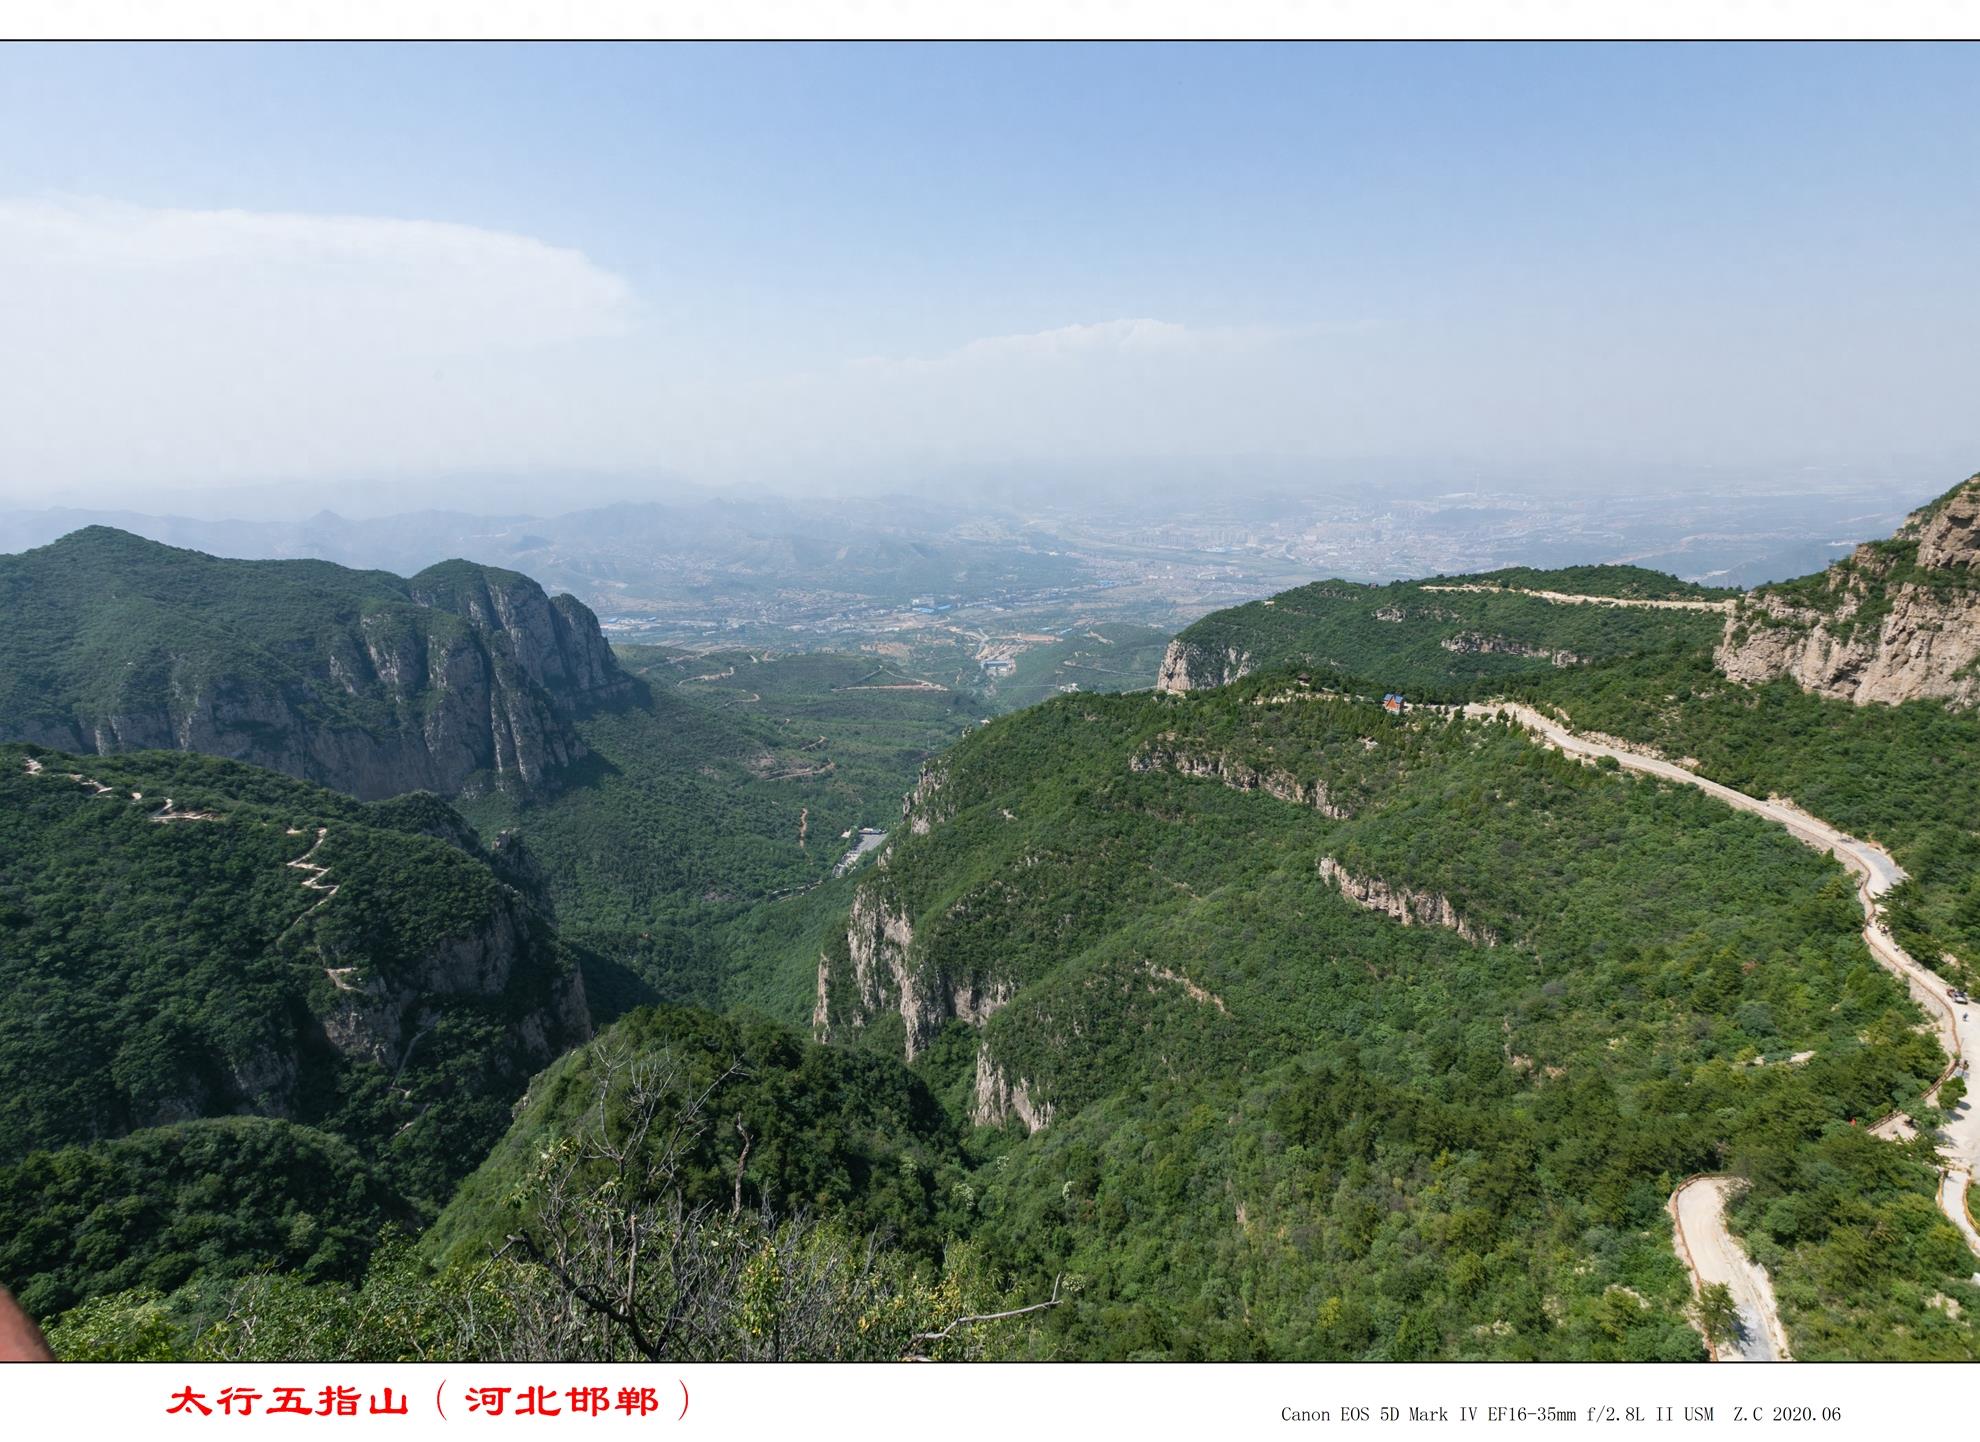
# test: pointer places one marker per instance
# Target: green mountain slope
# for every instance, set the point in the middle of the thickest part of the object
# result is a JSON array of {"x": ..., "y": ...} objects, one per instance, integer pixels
[
  {"x": 182, "y": 937},
  {"x": 1443, "y": 638},
  {"x": 462, "y": 677},
  {"x": 1161, "y": 939}
]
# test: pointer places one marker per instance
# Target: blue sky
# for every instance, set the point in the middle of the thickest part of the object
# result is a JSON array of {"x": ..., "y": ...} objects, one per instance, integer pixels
[{"x": 788, "y": 263}]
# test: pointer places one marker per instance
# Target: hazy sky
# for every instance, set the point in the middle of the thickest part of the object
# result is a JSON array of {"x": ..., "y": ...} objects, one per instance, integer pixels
[{"x": 833, "y": 264}]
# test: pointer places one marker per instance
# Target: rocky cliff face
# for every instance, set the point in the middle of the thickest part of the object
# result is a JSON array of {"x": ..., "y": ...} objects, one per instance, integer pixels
[
  {"x": 1897, "y": 621},
  {"x": 880, "y": 972},
  {"x": 1411, "y": 907},
  {"x": 380, "y": 1020},
  {"x": 1187, "y": 667},
  {"x": 462, "y": 678},
  {"x": 1239, "y": 776},
  {"x": 998, "y": 1098},
  {"x": 1480, "y": 643},
  {"x": 926, "y": 806}
]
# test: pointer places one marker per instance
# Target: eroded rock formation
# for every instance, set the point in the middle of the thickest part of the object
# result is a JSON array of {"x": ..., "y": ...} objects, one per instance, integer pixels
[
  {"x": 1410, "y": 906},
  {"x": 1896, "y": 621}
]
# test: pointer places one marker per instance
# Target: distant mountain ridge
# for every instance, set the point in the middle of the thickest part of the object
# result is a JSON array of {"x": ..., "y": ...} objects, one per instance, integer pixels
[{"x": 457, "y": 679}]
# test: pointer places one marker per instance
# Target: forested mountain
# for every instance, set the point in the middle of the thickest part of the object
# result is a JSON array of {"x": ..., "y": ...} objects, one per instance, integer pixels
[
  {"x": 1340, "y": 1034},
  {"x": 1242, "y": 1018},
  {"x": 184, "y": 938},
  {"x": 462, "y": 678},
  {"x": 1444, "y": 636}
]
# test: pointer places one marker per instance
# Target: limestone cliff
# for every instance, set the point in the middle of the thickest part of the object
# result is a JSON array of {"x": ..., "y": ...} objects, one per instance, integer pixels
[
  {"x": 1410, "y": 906},
  {"x": 1482, "y": 643},
  {"x": 1189, "y": 667},
  {"x": 998, "y": 1098},
  {"x": 1898, "y": 620},
  {"x": 461, "y": 678},
  {"x": 1238, "y": 775},
  {"x": 878, "y": 970}
]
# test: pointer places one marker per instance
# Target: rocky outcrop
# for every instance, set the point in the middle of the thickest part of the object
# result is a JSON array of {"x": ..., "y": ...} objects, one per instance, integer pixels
[
  {"x": 462, "y": 678},
  {"x": 998, "y": 1098},
  {"x": 1896, "y": 621},
  {"x": 1189, "y": 667},
  {"x": 1409, "y": 906},
  {"x": 926, "y": 806},
  {"x": 554, "y": 641},
  {"x": 373, "y": 951},
  {"x": 880, "y": 972},
  {"x": 1949, "y": 530},
  {"x": 1476, "y": 642},
  {"x": 380, "y": 1018},
  {"x": 1240, "y": 776}
]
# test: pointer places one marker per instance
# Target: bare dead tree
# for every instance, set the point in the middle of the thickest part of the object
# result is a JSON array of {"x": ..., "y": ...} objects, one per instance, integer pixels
[
  {"x": 735, "y": 1208},
  {"x": 614, "y": 1262},
  {"x": 611, "y": 1228},
  {"x": 922, "y": 1339}
]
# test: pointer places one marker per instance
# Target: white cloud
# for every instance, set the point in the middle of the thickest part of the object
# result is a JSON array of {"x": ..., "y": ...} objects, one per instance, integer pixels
[
  {"x": 215, "y": 343},
  {"x": 1109, "y": 336},
  {"x": 151, "y": 347},
  {"x": 448, "y": 287}
]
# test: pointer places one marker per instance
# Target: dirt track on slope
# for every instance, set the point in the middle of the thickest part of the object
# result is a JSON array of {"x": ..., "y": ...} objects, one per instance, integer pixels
[
  {"x": 1876, "y": 872},
  {"x": 1709, "y": 1251},
  {"x": 1566, "y": 598}
]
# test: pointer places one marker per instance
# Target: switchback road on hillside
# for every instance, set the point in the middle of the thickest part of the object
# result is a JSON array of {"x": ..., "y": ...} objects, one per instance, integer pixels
[
  {"x": 1698, "y": 1217},
  {"x": 1876, "y": 873}
]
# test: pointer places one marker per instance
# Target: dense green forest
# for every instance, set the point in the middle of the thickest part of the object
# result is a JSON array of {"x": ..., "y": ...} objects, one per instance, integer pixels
[
  {"x": 1902, "y": 776},
  {"x": 172, "y": 948},
  {"x": 1235, "y": 1056},
  {"x": 803, "y": 1197},
  {"x": 1441, "y": 644}
]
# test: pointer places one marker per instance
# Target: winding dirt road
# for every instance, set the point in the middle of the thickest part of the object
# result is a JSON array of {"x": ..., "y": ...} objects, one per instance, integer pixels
[
  {"x": 1698, "y": 1215},
  {"x": 1566, "y": 598},
  {"x": 1876, "y": 873}
]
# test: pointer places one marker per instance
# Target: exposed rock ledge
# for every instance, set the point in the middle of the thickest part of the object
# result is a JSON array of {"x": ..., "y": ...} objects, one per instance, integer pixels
[
  {"x": 1474, "y": 642},
  {"x": 1927, "y": 646},
  {"x": 1241, "y": 777},
  {"x": 1408, "y": 906},
  {"x": 1185, "y": 667},
  {"x": 998, "y": 1098},
  {"x": 1879, "y": 630}
]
